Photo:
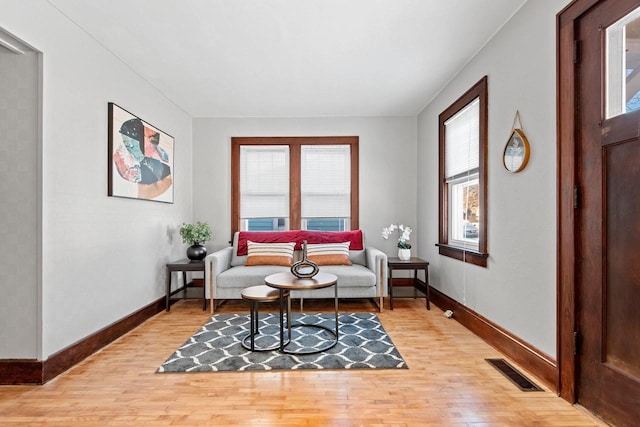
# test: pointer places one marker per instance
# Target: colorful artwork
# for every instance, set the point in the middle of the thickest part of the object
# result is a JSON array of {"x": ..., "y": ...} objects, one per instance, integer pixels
[{"x": 140, "y": 158}]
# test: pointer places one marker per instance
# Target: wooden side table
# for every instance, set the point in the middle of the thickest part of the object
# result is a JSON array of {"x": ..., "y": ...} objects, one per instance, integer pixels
[
  {"x": 414, "y": 264},
  {"x": 189, "y": 289}
]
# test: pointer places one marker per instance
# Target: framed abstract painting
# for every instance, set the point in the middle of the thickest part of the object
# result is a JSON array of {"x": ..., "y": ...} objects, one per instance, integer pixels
[{"x": 140, "y": 158}]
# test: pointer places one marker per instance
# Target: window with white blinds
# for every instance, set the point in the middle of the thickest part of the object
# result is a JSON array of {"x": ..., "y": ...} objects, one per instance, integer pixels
[
  {"x": 264, "y": 181},
  {"x": 462, "y": 145},
  {"x": 462, "y": 149},
  {"x": 282, "y": 183},
  {"x": 325, "y": 181},
  {"x": 462, "y": 141}
]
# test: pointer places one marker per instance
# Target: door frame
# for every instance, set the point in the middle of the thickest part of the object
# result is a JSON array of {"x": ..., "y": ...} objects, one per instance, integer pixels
[{"x": 567, "y": 51}]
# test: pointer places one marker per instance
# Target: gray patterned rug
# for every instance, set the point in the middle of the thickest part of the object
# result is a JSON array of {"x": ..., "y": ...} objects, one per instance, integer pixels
[{"x": 363, "y": 344}]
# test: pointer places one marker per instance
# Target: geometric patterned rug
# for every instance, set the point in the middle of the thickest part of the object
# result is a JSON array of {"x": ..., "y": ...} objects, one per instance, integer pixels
[{"x": 363, "y": 344}]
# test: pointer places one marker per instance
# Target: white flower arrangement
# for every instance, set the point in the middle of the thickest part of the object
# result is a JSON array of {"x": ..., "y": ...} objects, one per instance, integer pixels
[{"x": 404, "y": 232}]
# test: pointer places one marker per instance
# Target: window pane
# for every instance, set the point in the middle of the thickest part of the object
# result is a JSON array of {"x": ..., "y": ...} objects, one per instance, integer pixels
[
  {"x": 462, "y": 136},
  {"x": 623, "y": 65},
  {"x": 264, "y": 224},
  {"x": 264, "y": 182},
  {"x": 326, "y": 224},
  {"x": 325, "y": 181},
  {"x": 464, "y": 215}
]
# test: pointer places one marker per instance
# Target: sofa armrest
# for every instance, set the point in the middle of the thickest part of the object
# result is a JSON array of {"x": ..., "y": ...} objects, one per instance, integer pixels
[
  {"x": 377, "y": 262},
  {"x": 215, "y": 264}
]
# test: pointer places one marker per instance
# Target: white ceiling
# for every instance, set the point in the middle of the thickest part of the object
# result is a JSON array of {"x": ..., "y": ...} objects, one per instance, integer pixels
[{"x": 294, "y": 58}]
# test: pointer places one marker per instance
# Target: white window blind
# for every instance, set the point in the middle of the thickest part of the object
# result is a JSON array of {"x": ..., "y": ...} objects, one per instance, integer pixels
[
  {"x": 264, "y": 181},
  {"x": 326, "y": 181},
  {"x": 462, "y": 141}
]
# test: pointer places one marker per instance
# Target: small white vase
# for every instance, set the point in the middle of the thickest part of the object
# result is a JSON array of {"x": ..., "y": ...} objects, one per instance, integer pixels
[{"x": 404, "y": 254}]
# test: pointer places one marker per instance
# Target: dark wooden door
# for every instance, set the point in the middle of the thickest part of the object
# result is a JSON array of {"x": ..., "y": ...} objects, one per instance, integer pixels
[{"x": 608, "y": 214}]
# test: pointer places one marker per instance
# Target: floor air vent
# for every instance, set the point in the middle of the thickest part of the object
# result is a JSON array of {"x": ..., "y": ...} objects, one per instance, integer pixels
[{"x": 513, "y": 375}]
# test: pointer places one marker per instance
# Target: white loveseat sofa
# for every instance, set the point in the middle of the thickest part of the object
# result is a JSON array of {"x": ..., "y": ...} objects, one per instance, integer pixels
[{"x": 227, "y": 273}]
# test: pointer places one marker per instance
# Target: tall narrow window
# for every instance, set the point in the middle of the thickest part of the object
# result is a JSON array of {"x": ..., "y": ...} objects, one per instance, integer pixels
[
  {"x": 264, "y": 187},
  {"x": 325, "y": 187},
  {"x": 282, "y": 183},
  {"x": 461, "y": 175},
  {"x": 462, "y": 201}
]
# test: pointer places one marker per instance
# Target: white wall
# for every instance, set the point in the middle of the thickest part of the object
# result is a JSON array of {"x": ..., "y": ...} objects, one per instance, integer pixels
[
  {"x": 103, "y": 257},
  {"x": 518, "y": 288},
  {"x": 19, "y": 219},
  {"x": 387, "y": 167}
]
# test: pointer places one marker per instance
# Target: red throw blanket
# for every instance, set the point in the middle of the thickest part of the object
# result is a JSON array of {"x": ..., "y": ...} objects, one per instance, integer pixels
[{"x": 299, "y": 236}]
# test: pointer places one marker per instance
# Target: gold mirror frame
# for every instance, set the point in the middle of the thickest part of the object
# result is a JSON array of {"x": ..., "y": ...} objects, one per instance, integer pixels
[{"x": 516, "y": 153}]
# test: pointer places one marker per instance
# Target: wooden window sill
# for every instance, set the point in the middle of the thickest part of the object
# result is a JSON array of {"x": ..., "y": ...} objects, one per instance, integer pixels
[{"x": 467, "y": 255}]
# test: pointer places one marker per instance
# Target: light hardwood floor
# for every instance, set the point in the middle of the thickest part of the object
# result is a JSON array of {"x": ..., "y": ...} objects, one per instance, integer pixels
[{"x": 448, "y": 383}]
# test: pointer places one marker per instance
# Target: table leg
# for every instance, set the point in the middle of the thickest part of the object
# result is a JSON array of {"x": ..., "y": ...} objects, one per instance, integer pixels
[
  {"x": 300, "y": 324},
  {"x": 335, "y": 286},
  {"x": 288, "y": 318},
  {"x": 390, "y": 282},
  {"x": 281, "y": 319},
  {"x": 254, "y": 324},
  {"x": 415, "y": 283},
  {"x": 211, "y": 293},
  {"x": 204, "y": 294},
  {"x": 168, "y": 285},
  {"x": 426, "y": 283},
  {"x": 289, "y": 313}
]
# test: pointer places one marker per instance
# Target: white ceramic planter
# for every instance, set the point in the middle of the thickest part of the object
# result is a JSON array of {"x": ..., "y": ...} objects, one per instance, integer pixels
[{"x": 404, "y": 254}]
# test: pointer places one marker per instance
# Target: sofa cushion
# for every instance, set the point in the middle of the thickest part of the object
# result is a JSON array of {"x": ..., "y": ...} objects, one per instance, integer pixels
[
  {"x": 269, "y": 253},
  {"x": 329, "y": 253},
  {"x": 265, "y": 237},
  {"x": 244, "y": 276},
  {"x": 358, "y": 257},
  {"x": 351, "y": 275}
]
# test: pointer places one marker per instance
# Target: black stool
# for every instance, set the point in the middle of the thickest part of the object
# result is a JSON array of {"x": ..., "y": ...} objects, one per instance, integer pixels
[{"x": 255, "y": 295}]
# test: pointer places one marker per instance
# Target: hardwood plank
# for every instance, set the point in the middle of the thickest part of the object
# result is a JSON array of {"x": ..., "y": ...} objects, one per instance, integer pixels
[
  {"x": 448, "y": 382},
  {"x": 38, "y": 372},
  {"x": 523, "y": 353}
]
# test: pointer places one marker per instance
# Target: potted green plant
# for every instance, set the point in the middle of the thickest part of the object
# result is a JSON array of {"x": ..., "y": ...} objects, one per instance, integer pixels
[{"x": 196, "y": 235}]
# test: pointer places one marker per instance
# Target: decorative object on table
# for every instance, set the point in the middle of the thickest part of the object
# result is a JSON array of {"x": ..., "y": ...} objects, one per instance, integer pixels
[
  {"x": 196, "y": 235},
  {"x": 304, "y": 269},
  {"x": 140, "y": 158},
  {"x": 364, "y": 344},
  {"x": 516, "y": 153},
  {"x": 404, "y": 247}
]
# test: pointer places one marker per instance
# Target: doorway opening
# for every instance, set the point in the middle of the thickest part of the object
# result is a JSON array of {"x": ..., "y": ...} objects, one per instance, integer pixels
[{"x": 21, "y": 198}]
